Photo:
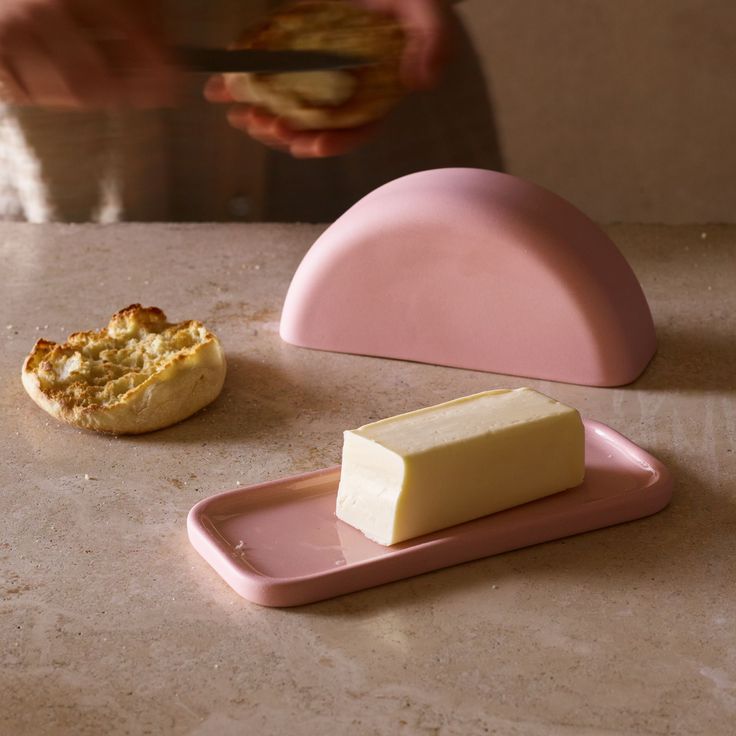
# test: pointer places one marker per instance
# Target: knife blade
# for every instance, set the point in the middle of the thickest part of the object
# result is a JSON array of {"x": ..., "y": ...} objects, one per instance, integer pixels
[{"x": 214, "y": 60}]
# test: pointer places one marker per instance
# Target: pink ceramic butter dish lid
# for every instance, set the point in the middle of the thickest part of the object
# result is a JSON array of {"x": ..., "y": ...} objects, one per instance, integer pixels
[{"x": 473, "y": 269}]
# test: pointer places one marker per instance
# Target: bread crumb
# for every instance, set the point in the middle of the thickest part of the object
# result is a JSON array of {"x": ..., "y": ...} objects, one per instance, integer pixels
[
  {"x": 8, "y": 327},
  {"x": 703, "y": 236},
  {"x": 86, "y": 476}
]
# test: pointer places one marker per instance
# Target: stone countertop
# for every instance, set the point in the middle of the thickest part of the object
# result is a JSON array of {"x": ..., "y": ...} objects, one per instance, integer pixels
[{"x": 113, "y": 624}]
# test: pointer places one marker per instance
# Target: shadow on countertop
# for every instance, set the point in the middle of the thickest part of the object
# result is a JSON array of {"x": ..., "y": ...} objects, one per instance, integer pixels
[
  {"x": 689, "y": 358},
  {"x": 258, "y": 399}
]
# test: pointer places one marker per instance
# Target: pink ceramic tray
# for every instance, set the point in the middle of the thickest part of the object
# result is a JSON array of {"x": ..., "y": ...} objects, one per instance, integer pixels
[{"x": 280, "y": 544}]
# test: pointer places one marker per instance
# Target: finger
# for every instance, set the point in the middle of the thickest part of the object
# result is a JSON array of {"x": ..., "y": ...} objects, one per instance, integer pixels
[
  {"x": 259, "y": 125},
  {"x": 426, "y": 46},
  {"x": 325, "y": 144},
  {"x": 276, "y": 133},
  {"x": 215, "y": 90},
  {"x": 425, "y": 24}
]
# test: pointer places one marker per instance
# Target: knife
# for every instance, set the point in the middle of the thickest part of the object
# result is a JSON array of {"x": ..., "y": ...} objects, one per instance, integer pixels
[{"x": 213, "y": 60}]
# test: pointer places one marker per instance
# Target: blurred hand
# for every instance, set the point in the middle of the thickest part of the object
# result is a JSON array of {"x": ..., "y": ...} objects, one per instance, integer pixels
[
  {"x": 82, "y": 53},
  {"x": 276, "y": 133},
  {"x": 425, "y": 23}
]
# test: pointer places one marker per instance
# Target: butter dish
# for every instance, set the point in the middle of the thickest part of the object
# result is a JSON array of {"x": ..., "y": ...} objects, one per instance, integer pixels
[{"x": 279, "y": 543}]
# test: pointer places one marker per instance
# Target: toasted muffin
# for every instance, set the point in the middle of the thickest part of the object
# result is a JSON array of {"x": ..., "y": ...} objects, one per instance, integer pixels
[
  {"x": 138, "y": 374},
  {"x": 322, "y": 100}
]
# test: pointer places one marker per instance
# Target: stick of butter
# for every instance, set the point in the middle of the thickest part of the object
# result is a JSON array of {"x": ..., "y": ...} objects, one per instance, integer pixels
[{"x": 436, "y": 467}]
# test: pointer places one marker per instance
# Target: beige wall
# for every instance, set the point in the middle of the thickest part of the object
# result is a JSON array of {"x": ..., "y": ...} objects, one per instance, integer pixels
[{"x": 625, "y": 107}]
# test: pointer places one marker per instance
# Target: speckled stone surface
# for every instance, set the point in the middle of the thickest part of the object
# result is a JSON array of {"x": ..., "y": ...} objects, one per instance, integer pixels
[{"x": 112, "y": 624}]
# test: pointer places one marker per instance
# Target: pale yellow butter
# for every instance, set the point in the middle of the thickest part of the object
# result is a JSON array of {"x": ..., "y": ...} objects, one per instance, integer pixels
[{"x": 436, "y": 467}]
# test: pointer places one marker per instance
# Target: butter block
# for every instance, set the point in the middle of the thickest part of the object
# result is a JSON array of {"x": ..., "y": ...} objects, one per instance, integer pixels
[{"x": 415, "y": 473}]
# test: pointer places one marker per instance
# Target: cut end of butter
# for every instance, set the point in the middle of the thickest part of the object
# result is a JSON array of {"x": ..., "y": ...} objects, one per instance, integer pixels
[{"x": 415, "y": 473}]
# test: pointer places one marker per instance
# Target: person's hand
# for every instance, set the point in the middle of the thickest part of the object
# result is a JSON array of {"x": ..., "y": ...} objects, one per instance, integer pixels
[
  {"x": 276, "y": 133},
  {"x": 425, "y": 24},
  {"x": 82, "y": 53}
]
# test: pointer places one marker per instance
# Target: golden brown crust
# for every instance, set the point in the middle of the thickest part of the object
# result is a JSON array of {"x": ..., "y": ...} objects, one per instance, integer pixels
[
  {"x": 325, "y": 100},
  {"x": 138, "y": 374}
]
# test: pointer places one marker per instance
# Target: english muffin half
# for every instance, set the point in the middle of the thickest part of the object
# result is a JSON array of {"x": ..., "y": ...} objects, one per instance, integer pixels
[
  {"x": 138, "y": 374},
  {"x": 322, "y": 100}
]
